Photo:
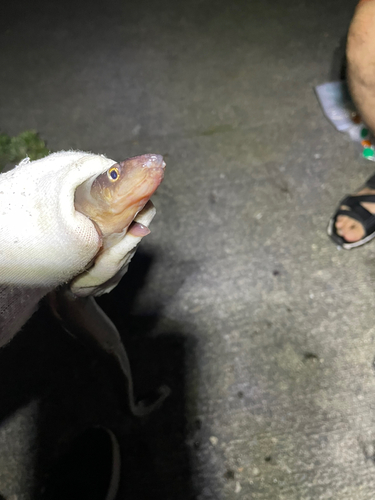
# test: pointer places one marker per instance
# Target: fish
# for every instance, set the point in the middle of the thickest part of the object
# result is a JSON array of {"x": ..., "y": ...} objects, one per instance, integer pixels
[
  {"x": 112, "y": 201},
  {"x": 82, "y": 218}
]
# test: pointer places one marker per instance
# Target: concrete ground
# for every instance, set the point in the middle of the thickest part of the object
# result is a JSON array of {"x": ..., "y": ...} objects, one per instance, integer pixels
[{"x": 237, "y": 300}]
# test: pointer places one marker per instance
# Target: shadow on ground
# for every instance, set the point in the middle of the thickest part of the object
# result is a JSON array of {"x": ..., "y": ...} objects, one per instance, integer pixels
[{"x": 76, "y": 387}]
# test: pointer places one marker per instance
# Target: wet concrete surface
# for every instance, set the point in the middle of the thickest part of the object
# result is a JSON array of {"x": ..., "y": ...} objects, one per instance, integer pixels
[{"x": 237, "y": 299}]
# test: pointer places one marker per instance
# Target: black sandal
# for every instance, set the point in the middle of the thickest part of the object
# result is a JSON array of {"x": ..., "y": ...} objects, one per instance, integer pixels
[{"x": 357, "y": 212}]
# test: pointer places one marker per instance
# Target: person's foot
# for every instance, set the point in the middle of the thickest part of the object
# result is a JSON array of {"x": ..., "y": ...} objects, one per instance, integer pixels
[{"x": 350, "y": 229}]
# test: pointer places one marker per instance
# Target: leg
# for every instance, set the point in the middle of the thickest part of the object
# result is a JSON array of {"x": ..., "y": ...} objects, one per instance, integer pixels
[
  {"x": 361, "y": 60},
  {"x": 361, "y": 79}
]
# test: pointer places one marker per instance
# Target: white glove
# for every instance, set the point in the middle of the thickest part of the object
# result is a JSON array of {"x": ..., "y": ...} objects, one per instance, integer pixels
[{"x": 45, "y": 242}]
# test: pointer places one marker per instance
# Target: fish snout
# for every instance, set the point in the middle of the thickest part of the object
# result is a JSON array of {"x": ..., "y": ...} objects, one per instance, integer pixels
[
  {"x": 152, "y": 161},
  {"x": 149, "y": 161}
]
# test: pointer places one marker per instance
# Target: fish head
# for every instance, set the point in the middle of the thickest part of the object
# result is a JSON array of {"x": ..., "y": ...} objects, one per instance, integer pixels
[{"x": 114, "y": 198}]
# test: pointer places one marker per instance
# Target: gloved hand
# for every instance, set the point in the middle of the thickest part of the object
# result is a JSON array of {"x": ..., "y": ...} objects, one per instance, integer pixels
[{"x": 45, "y": 242}]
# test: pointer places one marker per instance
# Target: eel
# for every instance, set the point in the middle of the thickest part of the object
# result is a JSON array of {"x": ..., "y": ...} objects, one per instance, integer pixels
[
  {"x": 112, "y": 201},
  {"x": 69, "y": 226}
]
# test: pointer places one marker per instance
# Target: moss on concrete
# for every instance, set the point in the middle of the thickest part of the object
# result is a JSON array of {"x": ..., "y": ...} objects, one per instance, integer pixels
[{"x": 14, "y": 149}]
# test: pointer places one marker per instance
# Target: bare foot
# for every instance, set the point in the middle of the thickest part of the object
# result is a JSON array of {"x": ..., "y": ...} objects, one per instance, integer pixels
[{"x": 350, "y": 229}]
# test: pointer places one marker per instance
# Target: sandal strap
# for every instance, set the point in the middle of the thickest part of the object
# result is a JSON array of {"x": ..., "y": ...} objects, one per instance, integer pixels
[
  {"x": 352, "y": 214},
  {"x": 354, "y": 203},
  {"x": 362, "y": 197}
]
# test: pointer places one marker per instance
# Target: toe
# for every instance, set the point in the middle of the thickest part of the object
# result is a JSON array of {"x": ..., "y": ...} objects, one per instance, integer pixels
[
  {"x": 340, "y": 221},
  {"x": 351, "y": 230},
  {"x": 351, "y": 236}
]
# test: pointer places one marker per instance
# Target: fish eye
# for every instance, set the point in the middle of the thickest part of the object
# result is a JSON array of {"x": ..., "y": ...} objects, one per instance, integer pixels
[{"x": 113, "y": 174}]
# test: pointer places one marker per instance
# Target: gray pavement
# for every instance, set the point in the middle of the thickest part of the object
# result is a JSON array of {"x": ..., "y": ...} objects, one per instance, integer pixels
[{"x": 238, "y": 300}]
